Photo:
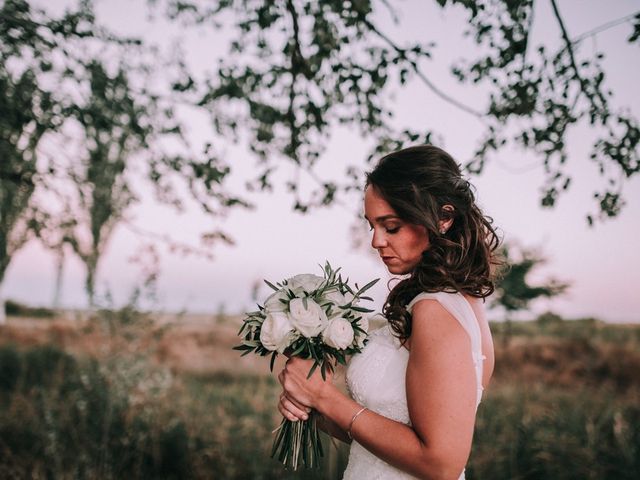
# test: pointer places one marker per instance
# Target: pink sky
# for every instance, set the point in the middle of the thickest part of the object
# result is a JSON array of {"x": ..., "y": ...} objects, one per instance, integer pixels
[{"x": 602, "y": 263}]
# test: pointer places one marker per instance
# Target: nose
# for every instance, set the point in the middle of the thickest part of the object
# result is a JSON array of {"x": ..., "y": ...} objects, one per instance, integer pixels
[{"x": 379, "y": 239}]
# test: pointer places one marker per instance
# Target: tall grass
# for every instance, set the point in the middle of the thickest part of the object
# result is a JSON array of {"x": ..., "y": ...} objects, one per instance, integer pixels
[
  {"x": 564, "y": 404},
  {"x": 65, "y": 418},
  {"x": 533, "y": 432},
  {"x": 61, "y": 417}
]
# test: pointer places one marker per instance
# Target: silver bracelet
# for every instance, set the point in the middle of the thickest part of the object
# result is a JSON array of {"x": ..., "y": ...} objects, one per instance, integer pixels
[{"x": 353, "y": 419}]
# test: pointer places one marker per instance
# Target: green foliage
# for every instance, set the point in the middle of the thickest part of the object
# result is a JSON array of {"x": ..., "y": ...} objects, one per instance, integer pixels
[
  {"x": 324, "y": 356},
  {"x": 575, "y": 329},
  {"x": 298, "y": 68},
  {"x": 563, "y": 404},
  {"x": 532, "y": 432},
  {"x": 636, "y": 29},
  {"x": 513, "y": 291},
  {"x": 549, "y": 318},
  {"x": 69, "y": 80},
  {"x": 64, "y": 417},
  {"x": 21, "y": 310},
  {"x": 115, "y": 128},
  {"x": 30, "y": 109},
  {"x": 542, "y": 95}
]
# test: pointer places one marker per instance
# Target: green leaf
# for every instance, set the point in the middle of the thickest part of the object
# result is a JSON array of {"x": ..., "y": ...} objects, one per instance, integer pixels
[
  {"x": 242, "y": 347},
  {"x": 313, "y": 369},
  {"x": 299, "y": 349},
  {"x": 361, "y": 309},
  {"x": 367, "y": 286}
]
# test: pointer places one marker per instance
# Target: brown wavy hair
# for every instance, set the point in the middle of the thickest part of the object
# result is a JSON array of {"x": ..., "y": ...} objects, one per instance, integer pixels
[{"x": 424, "y": 185}]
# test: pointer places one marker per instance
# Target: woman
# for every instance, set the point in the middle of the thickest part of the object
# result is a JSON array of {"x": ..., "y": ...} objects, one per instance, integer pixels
[{"x": 416, "y": 385}]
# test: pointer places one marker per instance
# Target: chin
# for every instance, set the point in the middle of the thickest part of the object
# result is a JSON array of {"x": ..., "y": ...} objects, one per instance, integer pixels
[{"x": 398, "y": 270}]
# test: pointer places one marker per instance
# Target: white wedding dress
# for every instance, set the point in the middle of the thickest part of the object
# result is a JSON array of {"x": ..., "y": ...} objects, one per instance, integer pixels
[{"x": 376, "y": 380}]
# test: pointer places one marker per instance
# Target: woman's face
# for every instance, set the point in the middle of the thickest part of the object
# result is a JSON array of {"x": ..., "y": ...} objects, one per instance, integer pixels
[{"x": 399, "y": 244}]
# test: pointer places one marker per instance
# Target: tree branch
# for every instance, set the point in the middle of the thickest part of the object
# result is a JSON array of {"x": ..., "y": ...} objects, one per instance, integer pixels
[
  {"x": 568, "y": 45},
  {"x": 296, "y": 59},
  {"x": 603, "y": 27},
  {"x": 422, "y": 76},
  {"x": 584, "y": 85}
]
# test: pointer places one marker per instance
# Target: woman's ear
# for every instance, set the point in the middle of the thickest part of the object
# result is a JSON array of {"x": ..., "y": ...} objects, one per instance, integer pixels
[{"x": 447, "y": 218}]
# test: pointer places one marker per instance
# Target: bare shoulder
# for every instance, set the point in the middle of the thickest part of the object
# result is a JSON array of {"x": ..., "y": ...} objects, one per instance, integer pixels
[{"x": 432, "y": 322}]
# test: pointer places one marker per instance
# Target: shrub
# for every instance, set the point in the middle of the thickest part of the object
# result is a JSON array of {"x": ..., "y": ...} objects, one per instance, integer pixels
[
  {"x": 66, "y": 418},
  {"x": 533, "y": 433},
  {"x": 17, "y": 309},
  {"x": 10, "y": 368}
]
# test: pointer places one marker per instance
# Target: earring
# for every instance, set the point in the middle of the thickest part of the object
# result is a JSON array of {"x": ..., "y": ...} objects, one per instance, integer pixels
[{"x": 443, "y": 231}]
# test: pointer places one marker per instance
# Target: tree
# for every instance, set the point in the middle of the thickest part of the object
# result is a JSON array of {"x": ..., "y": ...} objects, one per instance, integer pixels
[
  {"x": 513, "y": 291},
  {"x": 45, "y": 65},
  {"x": 542, "y": 94},
  {"x": 30, "y": 110},
  {"x": 298, "y": 68},
  {"x": 113, "y": 132}
]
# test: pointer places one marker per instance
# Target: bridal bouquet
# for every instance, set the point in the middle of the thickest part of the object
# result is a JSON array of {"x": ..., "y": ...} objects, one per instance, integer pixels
[{"x": 312, "y": 317}]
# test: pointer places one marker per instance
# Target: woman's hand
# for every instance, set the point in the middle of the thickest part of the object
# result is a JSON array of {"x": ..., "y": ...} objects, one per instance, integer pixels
[
  {"x": 292, "y": 410},
  {"x": 300, "y": 392}
]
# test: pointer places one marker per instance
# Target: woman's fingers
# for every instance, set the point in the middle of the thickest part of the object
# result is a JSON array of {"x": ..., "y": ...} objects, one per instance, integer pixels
[
  {"x": 297, "y": 404},
  {"x": 291, "y": 409}
]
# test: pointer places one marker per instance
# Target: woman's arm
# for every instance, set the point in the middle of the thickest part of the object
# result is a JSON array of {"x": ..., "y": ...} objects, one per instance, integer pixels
[
  {"x": 441, "y": 396},
  {"x": 333, "y": 429}
]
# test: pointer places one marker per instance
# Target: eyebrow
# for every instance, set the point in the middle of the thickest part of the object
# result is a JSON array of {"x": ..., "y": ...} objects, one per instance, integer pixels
[{"x": 383, "y": 218}]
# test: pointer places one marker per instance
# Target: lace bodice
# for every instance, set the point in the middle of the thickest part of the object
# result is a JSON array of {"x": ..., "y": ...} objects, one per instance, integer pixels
[{"x": 376, "y": 380}]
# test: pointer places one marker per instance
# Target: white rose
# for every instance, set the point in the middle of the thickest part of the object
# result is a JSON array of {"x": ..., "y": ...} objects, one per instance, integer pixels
[
  {"x": 273, "y": 303},
  {"x": 348, "y": 297},
  {"x": 305, "y": 282},
  {"x": 277, "y": 332},
  {"x": 335, "y": 297},
  {"x": 309, "y": 320},
  {"x": 338, "y": 334}
]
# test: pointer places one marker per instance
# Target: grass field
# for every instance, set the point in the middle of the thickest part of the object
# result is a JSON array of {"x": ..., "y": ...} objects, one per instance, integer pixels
[{"x": 123, "y": 395}]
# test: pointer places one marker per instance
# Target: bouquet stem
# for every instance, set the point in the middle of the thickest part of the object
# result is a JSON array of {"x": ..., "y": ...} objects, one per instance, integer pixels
[{"x": 298, "y": 443}]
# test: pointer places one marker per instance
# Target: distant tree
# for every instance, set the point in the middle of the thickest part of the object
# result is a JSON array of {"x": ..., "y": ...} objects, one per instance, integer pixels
[
  {"x": 29, "y": 110},
  {"x": 47, "y": 65},
  {"x": 298, "y": 68},
  {"x": 121, "y": 129},
  {"x": 295, "y": 70},
  {"x": 514, "y": 292},
  {"x": 113, "y": 132}
]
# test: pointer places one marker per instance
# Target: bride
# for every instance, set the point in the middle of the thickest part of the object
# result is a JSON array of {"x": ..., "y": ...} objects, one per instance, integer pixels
[{"x": 415, "y": 388}]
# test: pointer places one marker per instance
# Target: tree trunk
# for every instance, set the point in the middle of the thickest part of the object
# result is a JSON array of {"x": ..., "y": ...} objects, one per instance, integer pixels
[
  {"x": 90, "y": 284},
  {"x": 57, "y": 294},
  {"x": 3, "y": 313}
]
